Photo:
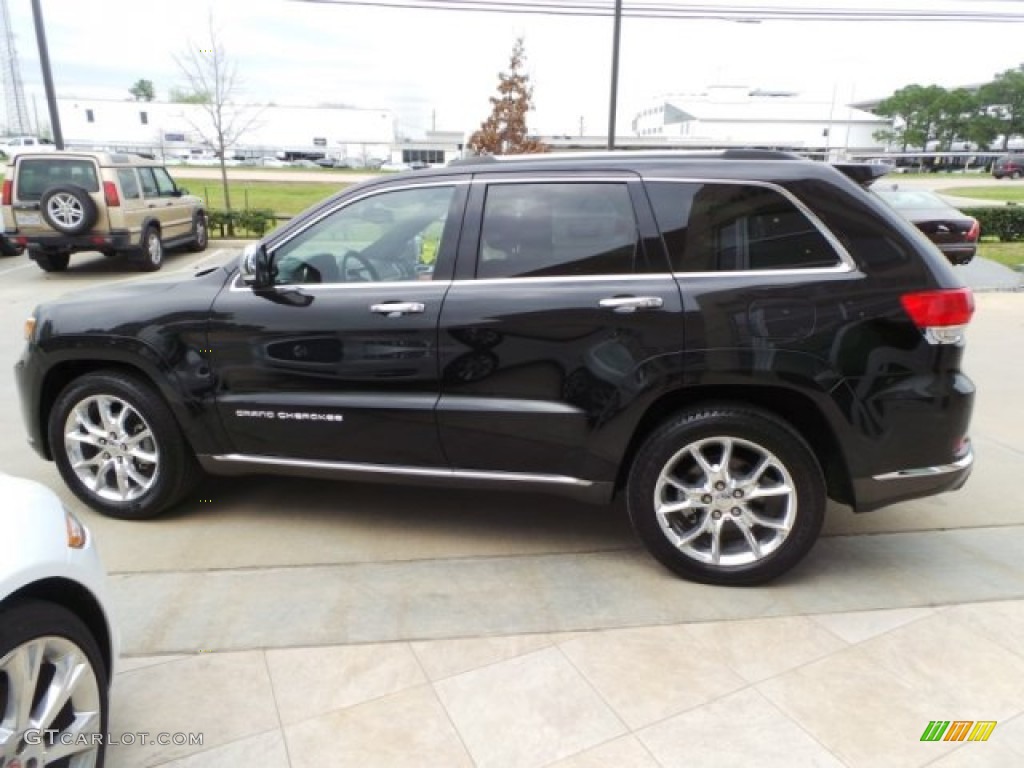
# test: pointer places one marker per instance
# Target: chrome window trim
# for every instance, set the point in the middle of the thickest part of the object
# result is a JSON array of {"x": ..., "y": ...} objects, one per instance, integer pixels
[
  {"x": 409, "y": 471},
  {"x": 940, "y": 469},
  {"x": 368, "y": 193},
  {"x": 844, "y": 256},
  {"x": 238, "y": 286},
  {"x": 839, "y": 269},
  {"x": 632, "y": 276}
]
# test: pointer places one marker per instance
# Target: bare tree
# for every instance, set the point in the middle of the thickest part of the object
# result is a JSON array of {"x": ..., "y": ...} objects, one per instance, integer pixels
[
  {"x": 504, "y": 131},
  {"x": 212, "y": 78}
]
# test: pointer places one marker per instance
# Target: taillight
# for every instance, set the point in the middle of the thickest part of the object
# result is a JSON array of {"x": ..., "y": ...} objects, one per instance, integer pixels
[
  {"x": 975, "y": 231},
  {"x": 941, "y": 315},
  {"x": 110, "y": 194},
  {"x": 7, "y": 192}
]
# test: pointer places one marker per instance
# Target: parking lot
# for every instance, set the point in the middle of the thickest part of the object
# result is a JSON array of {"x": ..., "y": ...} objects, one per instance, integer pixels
[{"x": 494, "y": 617}]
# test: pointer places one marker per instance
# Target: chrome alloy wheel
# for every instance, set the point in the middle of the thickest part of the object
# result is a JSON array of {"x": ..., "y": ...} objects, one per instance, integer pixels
[
  {"x": 65, "y": 209},
  {"x": 50, "y": 706},
  {"x": 154, "y": 248},
  {"x": 111, "y": 448},
  {"x": 725, "y": 501}
]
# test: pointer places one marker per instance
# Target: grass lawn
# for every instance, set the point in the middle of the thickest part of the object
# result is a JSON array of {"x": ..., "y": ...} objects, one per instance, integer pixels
[
  {"x": 284, "y": 198},
  {"x": 1004, "y": 192},
  {"x": 1010, "y": 254}
]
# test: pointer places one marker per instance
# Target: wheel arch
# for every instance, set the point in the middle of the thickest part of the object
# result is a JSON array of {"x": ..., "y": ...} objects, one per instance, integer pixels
[
  {"x": 62, "y": 373},
  {"x": 80, "y": 601},
  {"x": 798, "y": 410}
]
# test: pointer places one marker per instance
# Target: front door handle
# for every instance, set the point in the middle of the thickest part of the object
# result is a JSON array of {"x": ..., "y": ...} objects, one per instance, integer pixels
[
  {"x": 397, "y": 308},
  {"x": 631, "y": 303}
]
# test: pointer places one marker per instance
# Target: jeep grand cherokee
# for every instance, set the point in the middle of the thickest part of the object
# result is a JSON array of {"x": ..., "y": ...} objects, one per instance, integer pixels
[{"x": 728, "y": 339}]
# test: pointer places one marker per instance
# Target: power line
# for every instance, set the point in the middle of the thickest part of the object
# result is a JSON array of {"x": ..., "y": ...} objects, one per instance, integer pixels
[{"x": 725, "y": 12}]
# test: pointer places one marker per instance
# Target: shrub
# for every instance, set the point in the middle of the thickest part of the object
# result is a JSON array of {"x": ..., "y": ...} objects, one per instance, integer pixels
[
  {"x": 1004, "y": 222},
  {"x": 252, "y": 222}
]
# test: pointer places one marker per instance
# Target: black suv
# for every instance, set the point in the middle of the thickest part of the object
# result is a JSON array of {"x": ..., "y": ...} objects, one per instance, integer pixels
[{"x": 726, "y": 338}]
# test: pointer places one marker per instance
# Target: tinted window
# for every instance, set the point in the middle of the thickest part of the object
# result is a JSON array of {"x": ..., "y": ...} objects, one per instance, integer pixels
[
  {"x": 532, "y": 230},
  {"x": 149, "y": 187},
  {"x": 730, "y": 227},
  {"x": 35, "y": 176},
  {"x": 163, "y": 182},
  {"x": 386, "y": 237},
  {"x": 129, "y": 184}
]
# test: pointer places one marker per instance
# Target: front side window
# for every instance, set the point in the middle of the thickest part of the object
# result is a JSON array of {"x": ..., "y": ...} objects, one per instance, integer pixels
[
  {"x": 36, "y": 175},
  {"x": 556, "y": 229},
  {"x": 164, "y": 183},
  {"x": 387, "y": 237},
  {"x": 735, "y": 227}
]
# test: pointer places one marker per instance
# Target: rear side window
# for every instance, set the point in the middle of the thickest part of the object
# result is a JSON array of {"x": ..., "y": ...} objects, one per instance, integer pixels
[
  {"x": 736, "y": 227},
  {"x": 555, "y": 229},
  {"x": 129, "y": 184},
  {"x": 149, "y": 187},
  {"x": 35, "y": 176}
]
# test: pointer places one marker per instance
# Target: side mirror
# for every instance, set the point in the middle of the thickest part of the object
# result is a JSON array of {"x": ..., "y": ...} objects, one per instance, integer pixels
[
  {"x": 254, "y": 267},
  {"x": 179, "y": 191}
]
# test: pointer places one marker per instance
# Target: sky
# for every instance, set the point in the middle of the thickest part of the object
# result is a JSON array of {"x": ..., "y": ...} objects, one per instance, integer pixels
[{"x": 438, "y": 68}]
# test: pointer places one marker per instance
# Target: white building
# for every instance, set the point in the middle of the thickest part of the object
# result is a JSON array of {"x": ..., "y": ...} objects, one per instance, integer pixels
[
  {"x": 724, "y": 116},
  {"x": 173, "y": 129}
]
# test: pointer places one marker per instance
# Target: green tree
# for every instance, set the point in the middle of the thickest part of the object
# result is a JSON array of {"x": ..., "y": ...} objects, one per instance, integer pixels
[
  {"x": 212, "y": 79},
  {"x": 954, "y": 112},
  {"x": 181, "y": 96},
  {"x": 1005, "y": 98},
  {"x": 504, "y": 131},
  {"x": 916, "y": 111},
  {"x": 143, "y": 90}
]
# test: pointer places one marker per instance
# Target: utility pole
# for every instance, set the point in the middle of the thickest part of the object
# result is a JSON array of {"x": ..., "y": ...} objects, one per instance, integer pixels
[
  {"x": 616, "y": 32},
  {"x": 581, "y": 126},
  {"x": 44, "y": 63}
]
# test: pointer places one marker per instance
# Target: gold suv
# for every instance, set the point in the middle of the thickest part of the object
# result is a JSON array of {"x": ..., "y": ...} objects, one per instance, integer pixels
[{"x": 59, "y": 203}]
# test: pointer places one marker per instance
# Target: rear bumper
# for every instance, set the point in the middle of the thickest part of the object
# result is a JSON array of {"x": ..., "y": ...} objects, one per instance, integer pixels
[
  {"x": 912, "y": 483},
  {"x": 958, "y": 253},
  {"x": 117, "y": 240}
]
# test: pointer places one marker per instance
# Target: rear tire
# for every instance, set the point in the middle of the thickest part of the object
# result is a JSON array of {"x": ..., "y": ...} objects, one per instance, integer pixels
[
  {"x": 726, "y": 495},
  {"x": 118, "y": 447},
  {"x": 51, "y": 262},
  {"x": 152, "y": 250}
]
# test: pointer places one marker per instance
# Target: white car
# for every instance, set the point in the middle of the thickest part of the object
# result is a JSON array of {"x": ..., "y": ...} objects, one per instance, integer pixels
[{"x": 57, "y": 640}]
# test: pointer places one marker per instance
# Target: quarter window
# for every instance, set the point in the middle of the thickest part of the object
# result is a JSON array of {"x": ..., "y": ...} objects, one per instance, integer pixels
[
  {"x": 387, "y": 237},
  {"x": 734, "y": 227},
  {"x": 547, "y": 230}
]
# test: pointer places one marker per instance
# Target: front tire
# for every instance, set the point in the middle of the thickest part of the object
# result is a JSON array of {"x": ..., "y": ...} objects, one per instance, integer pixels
[
  {"x": 118, "y": 447},
  {"x": 726, "y": 495},
  {"x": 49, "y": 648},
  {"x": 200, "y": 234}
]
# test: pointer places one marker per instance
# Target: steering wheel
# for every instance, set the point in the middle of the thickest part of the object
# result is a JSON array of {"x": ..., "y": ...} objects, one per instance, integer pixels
[{"x": 362, "y": 272}]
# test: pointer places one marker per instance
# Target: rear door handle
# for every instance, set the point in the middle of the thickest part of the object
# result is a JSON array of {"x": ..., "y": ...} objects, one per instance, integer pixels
[
  {"x": 397, "y": 308},
  {"x": 631, "y": 303}
]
